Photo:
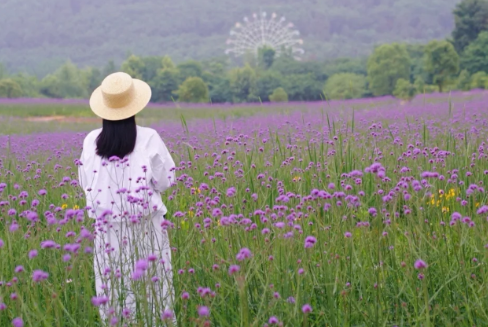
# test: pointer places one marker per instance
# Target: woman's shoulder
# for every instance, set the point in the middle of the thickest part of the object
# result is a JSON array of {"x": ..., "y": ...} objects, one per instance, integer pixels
[
  {"x": 148, "y": 139},
  {"x": 91, "y": 137},
  {"x": 147, "y": 135},
  {"x": 146, "y": 131}
]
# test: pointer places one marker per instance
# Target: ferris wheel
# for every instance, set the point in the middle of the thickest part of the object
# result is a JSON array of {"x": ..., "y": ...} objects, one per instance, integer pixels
[{"x": 264, "y": 31}]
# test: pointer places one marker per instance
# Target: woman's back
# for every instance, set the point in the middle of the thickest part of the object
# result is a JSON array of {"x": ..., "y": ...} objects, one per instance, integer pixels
[{"x": 127, "y": 186}]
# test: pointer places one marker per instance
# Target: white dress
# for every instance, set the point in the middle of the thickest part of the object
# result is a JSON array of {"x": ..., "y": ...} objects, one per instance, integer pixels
[{"x": 132, "y": 261}]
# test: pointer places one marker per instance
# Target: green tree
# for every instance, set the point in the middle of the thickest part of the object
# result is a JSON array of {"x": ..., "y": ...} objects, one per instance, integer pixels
[
  {"x": 29, "y": 85},
  {"x": 303, "y": 87},
  {"x": 67, "y": 82},
  {"x": 167, "y": 63},
  {"x": 475, "y": 56},
  {"x": 109, "y": 68},
  {"x": 479, "y": 80},
  {"x": 345, "y": 65},
  {"x": 217, "y": 65},
  {"x": 430, "y": 88},
  {"x": 287, "y": 65},
  {"x": 218, "y": 87},
  {"x": 345, "y": 86},
  {"x": 221, "y": 92},
  {"x": 134, "y": 66},
  {"x": 152, "y": 65},
  {"x": 404, "y": 90},
  {"x": 441, "y": 62},
  {"x": 463, "y": 82},
  {"x": 216, "y": 77},
  {"x": 266, "y": 83},
  {"x": 417, "y": 62},
  {"x": 243, "y": 84},
  {"x": 10, "y": 89},
  {"x": 50, "y": 87},
  {"x": 189, "y": 68},
  {"x": 278, "y": 95},
  {"x": 386, "y": 66},
  {"x": 93, "y": 79},
  {"x": 470, "y": 18},
  {"x": 250, "y": 58},
  {"x": 266, "y": 57},
  {"x": 164, "y": 85},
  {"x": 194, "y": 90},
  {"x": 419, "y": 84}
]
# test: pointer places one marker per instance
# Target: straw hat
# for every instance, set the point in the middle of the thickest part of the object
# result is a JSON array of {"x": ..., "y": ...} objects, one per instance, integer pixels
[{"x": 119, "y": 97}]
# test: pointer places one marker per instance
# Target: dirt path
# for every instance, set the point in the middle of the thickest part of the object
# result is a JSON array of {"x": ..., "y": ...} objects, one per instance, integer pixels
[{"x": 63, "y": 119}]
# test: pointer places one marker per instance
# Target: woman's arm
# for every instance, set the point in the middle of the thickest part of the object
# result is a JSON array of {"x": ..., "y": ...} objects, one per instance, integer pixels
[
  {"x": 81, "y": 172},
  {"x": 162, "y": 165}
]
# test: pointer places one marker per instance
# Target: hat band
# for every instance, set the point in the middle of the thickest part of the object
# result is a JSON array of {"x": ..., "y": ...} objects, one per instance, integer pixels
[{"x": 119, "y": 100}]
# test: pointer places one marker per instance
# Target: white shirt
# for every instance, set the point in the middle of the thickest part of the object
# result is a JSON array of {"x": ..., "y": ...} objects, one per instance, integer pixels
[{"x": 123, "y": 187}]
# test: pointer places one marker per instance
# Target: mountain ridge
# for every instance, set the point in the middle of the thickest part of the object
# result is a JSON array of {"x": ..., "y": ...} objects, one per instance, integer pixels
[{"x": 37, "y": 37}]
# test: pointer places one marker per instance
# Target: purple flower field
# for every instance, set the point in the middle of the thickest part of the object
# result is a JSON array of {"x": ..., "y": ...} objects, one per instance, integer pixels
[{"x": 357, "y": 213}]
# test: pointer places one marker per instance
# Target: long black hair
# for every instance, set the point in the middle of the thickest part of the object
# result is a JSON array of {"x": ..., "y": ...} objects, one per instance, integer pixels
[{"x": 118, "y": 138}]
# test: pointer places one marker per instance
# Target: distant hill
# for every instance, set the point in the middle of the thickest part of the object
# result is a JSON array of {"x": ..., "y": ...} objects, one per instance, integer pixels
[{"x": 38, "y": 35}]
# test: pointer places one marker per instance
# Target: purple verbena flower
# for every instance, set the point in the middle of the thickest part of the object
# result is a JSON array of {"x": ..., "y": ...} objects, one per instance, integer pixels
[
  {"x": 273, "y": 320},
  {"x": 39, "y": 276},
  {"x": 231, "y": 191},
  {"x": 203, "y": 311},
  {"x": 233, "y": 269},
  {"x": 307, "y": 308},
  {"x": 18, "y": 322},
  {"x": 167, "y": 315},
  {"x": 244, "y": 253},
  {"x": 310, "y": 241},
  {"x": 32, "y": 254},
  {"x": 142, "y": 264},
  {"x": 420, "y": 264},
  {"x": 48, "y": 244},
  {"x": 99, "y": 300}
]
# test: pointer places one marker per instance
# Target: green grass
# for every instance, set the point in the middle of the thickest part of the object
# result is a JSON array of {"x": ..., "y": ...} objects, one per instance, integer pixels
[
  {"x": 368, "y": 279},
  {"x": 18, "y": 118}
]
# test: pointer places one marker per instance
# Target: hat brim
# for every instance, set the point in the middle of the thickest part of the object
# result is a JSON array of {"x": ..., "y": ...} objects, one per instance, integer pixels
[{"x": 142, "y": 95}]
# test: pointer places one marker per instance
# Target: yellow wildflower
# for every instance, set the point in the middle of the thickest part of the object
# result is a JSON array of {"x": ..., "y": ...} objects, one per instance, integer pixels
[
  {"x": 477, "y": 204},
  {"x": 184, "y": 225},
  {"x": 64, "y": 206},
  {"x": 196, "y": 190},
  {"x": 451, "y": 194},
  {"x": 296, "y": 178},
  {"x": 76, "y": 207},
  {"x": 445, "y": 209},
  {"x": 191, "y": 214}
]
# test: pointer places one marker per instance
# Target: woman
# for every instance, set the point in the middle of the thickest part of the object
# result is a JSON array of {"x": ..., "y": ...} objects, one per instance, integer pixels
[{"x": 123, "y": 170}]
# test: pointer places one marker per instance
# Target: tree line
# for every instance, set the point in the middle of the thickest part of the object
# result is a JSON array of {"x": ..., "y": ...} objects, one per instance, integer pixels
[{"x": 402, "y": 70}]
